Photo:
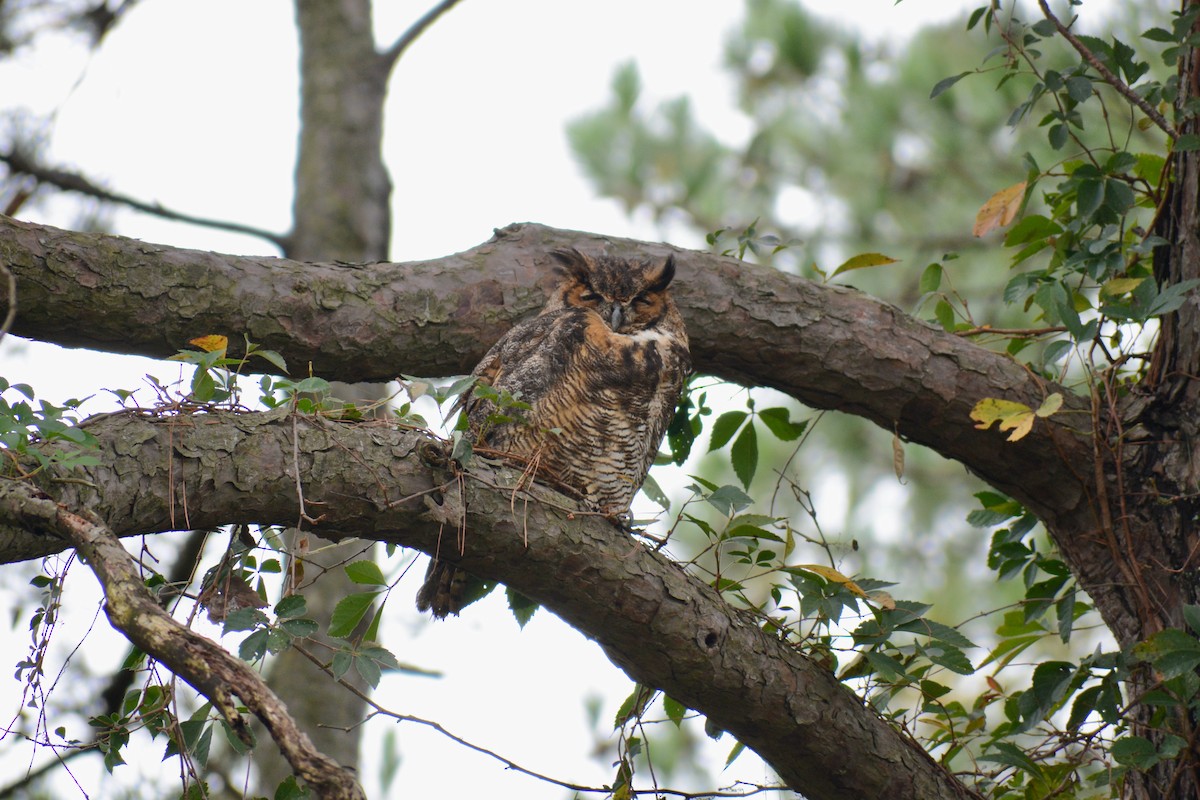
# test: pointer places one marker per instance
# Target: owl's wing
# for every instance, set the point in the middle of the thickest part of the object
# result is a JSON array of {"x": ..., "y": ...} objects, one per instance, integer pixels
[
  {"x": 522, "y": 361},
  {"x": 677, "y": 365}
]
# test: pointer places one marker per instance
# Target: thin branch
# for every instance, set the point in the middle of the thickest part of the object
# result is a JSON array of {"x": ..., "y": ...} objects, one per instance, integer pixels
[
  {"x": 113, "y": 695},
  {"x": 74, "y": 182},
  {"x": 390, "y": 56},
  {"x": 508, "y": 763},
  {"x": 204, "y": 664},
  {"x": 1109, "y": 77},
  {"x": 986, "y": 329}
]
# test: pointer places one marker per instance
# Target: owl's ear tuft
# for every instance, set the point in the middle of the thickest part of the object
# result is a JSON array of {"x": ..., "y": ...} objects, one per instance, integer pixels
[
  {"x": 665, "y": 276},
  {"x": 571, "y": 261}
]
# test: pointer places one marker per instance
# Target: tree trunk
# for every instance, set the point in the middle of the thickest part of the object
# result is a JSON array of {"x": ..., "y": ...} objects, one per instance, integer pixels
[
  {"x": 1156, "y": 445},
  {"x": 341, "y": 211}
]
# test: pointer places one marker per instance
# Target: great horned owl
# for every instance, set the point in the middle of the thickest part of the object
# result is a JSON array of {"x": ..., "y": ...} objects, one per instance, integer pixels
[{"x": 601, "y": 368}]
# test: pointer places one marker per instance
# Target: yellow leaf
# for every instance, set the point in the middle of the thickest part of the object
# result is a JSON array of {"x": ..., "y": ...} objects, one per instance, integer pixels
[
  {"x": 1012, "y": 416},
  {"x": 1119, "y": 286},
  {"x": 831, "y": 574},
  {"x": 1000, "y": 209},
  {"x": 1051, "y": 404},
  {"x": 210, "y": 343},
  {"x": 862, "y": 261}
]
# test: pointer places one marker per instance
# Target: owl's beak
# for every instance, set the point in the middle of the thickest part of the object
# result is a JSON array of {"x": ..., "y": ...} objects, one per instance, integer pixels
[{"x": 616, "y": 316}]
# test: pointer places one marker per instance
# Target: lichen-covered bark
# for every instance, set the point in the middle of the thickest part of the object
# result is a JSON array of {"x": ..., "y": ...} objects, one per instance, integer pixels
[{"x": 662, "y": 626}]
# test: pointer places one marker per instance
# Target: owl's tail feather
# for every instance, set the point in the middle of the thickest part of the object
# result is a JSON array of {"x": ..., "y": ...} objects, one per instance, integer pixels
[{"x": 444, "y": 589}]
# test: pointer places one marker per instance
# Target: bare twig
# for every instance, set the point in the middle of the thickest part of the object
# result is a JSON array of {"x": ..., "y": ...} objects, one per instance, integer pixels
[
  {"x": 73, "y": 182},
  {"x": 1109, "y": 77},
  {"x": 509, "y": 764},
  {"x": 393, "y": 53},
  {"x": 1023, "y": 332}
]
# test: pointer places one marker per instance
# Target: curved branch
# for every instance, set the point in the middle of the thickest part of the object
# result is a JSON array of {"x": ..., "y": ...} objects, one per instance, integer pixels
[
  {"x": 828, "y": 346},
  {"x": 74, "y": 182},
  {"x": 203, "y": 663},
  {"x": 390, "y": 56},
  {"x": 1107, "y": 74},
  {"x": 659, "y": 624}
]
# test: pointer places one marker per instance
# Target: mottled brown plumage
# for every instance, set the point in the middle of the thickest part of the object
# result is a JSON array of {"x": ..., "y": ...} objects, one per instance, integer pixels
[{"x": 601, "y": 367}]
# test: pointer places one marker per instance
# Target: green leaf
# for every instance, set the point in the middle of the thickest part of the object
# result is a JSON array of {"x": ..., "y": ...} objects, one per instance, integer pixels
[
  {"x": 1051, "y": 680},
  {"x": 1013, "y": 756},
  {"x": 1191, "y": 615},
  {"x": 948, "y": 656},
  {"x": 655, "y": 492},
  {"x": 724, "y": 428},
  {"x": 254, "y": 646},
  {"x": 299, "y": 628},
  {"x": 342, "y": 661},
  {"x": 863, "y": 261},
  {"x": 744, "y": 455},
  {"x": 931, "y": 278},
  {"x": 729, "y": 499},
  {"x": 522, "y": 607},
  {"x": 938, "y": 631},
  {"x": 633, "y": 706},
  {"x": 294, "y": 605},
  {"x": 944, "y": 314},
  {"x": 348, "y": 612},
  {"x": 243, "y": 619},
  {"x": 1134, "y": 751},
  {"x": 1187, "y": 143},
  {"x": 680, "y": 433},
  {"x": 1083, "y": 706},
  {"x": 1159, "y": 35},
  {"x": 274, "y": 358},
  {"x": 290, "y": 790},
  {"x": 778, "y": 421},
  {"x": 1033, "y": 227},
  {"x": 1079, "y": 88},
  {"x": 368, "y": 670},
  {"x": 367, "y": 572},
  {"x": 1089, "y": 197},
  {"x": 734, "y": 753},
  {"x": 1172, "y": 652},
  {"x": 946, "y": 83},
  {"x": 232, "y": 739},
  {"x": 675, "y": 710}
]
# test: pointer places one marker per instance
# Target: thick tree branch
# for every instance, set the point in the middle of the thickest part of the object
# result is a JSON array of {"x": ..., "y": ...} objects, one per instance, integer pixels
[
  {"x": 203, "y": 663},
  {"x": 830, "y": 347},
  {"x": 662, "y": 626}
]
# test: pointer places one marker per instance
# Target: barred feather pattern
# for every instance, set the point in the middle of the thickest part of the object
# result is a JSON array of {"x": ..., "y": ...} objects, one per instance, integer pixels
[{"x": 601, "y": 368}]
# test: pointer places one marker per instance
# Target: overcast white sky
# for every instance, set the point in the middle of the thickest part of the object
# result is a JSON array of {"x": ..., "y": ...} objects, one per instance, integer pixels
[{"x": 193, "y": 104}]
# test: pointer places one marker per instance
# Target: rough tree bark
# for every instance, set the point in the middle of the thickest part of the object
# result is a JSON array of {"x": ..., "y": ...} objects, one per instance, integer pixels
[
  {"x": 830, "y": 347},
  {"x": 341, "y": 210},
  {"x": 664, "y": 627},
  {"x": 1127, "y": 534}
]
